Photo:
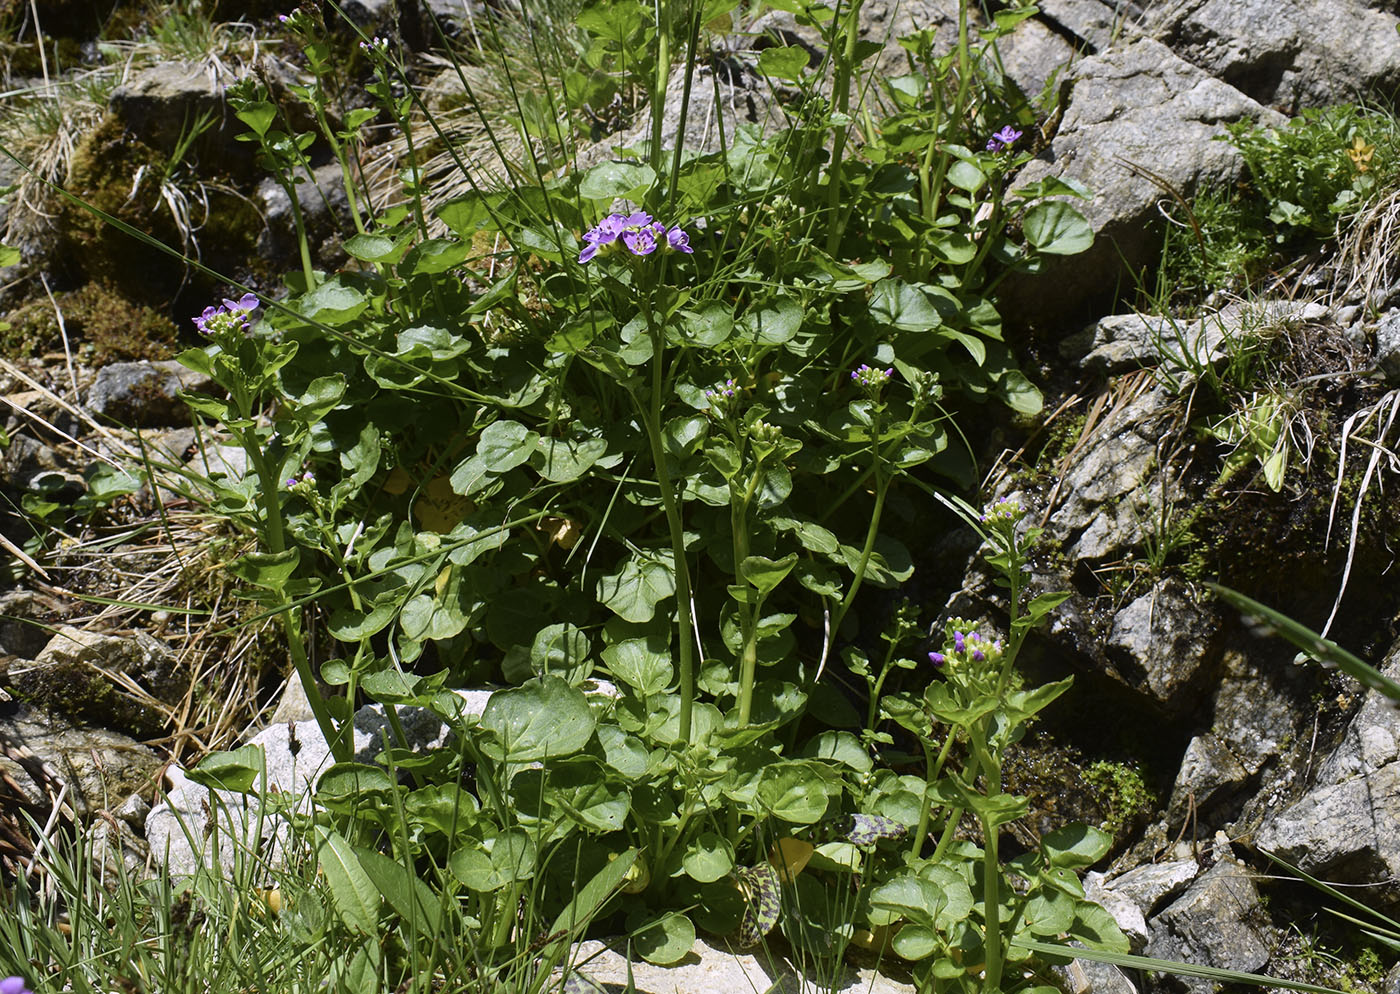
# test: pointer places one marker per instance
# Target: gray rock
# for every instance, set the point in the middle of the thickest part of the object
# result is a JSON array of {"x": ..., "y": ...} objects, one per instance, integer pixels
[
  {"x": 295, "y": 755},
  {"x": 1388, "y": 345},
  {"x": 130, "y": 685},
  {"x": 325, "y": 211},
  {"x": 1084, "y": 976},
  {"x": 709, "y": 968},
  {"x": 1131, "y": 111},
  {"x": 1120, "y": 343},
  {"x": 25, "y": 617},
  {"x": 158, "y": 103},
  {"x": 1210, "y": 775},
  {"x": 144, "y": 394},
  {"x": 1125, "y": 911},
  {"x": 1161, "y": 643},
  {"x": 1149, "y": 885},
  {"x": 1345, "y": 828},
  {"x": 1094, "y": 23},
  {"x": 101, "y": 769},
  {"x": 1212, "y": 924},
  {"x": 1287, "y": 53},
  {"x": 1104, "y": 500}
]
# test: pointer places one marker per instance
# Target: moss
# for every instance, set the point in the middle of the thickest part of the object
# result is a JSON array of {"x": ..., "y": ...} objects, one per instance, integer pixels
[{"x": 117, "y": 328}]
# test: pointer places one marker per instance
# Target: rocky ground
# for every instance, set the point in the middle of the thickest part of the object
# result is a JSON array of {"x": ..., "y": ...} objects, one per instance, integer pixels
[{"x": 1238, "y": 749}]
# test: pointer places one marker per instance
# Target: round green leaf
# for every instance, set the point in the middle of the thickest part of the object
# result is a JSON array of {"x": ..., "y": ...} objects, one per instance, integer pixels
[
  {"x": 542, "y": 719},
  {"x": 665, "y": 940},
  {"x": 610, "y": 180},
  {"x": 1056, "y": 228},
  {"x": 708, "y": 858}
]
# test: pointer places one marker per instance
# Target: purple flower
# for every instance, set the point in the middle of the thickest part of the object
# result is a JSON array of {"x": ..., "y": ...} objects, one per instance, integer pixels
[
  {"x": 233, "y": 315},
  {"x": 292, "y": 481},
  {"x": 958, "y": 642},
  {"x": 638, "y": 233},
  {"x": 641, "y": 242},
  {"x": 678, "y": 241},
  {"x": 14, "y": 985},
  {"x": 1003, "y": 139},
  {"x": 979, "y": 656},
  {"x": 937, "y": 658}
]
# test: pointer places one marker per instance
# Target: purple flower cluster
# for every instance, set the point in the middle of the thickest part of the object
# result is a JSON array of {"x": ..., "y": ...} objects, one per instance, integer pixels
[
  {"x": 1004, "y": 509},
  {"x": 969, "y": 646},
  {"x": 231, "y": 316},
  {"x": 1003, "y": 139},
  {"x": 306, "y": 478},
  {"x": 637, "y": 232},
  {"x": 14, "y": 985},
  {"x": 871, "y": 378},
  {"x": 721, "y": 393}
]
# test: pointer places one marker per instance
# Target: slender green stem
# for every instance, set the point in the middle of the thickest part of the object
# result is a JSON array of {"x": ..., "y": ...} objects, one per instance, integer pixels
[
  {"x": 651, "y": 418},
  {"x": 842, "y": 88},
  {"x": 748, "y": 613},
  {"x": 660, "y": 82},
  {"x": 991, "y": 862},
  {"x": 933, "y": 768}
]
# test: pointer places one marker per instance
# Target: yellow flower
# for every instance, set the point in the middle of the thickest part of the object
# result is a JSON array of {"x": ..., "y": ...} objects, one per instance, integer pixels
[{"x": 1360, "y": 154}]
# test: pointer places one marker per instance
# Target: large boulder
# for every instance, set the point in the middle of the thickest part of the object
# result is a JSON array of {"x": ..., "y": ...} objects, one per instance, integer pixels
[
  {"x": 1344, "y": 827},
  {"x": 1288, "y": 54},
  {"x": 1139, "y": 127}
]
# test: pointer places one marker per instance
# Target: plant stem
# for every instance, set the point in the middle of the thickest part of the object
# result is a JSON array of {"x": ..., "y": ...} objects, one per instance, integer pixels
[
  {"x": 842, "y": 89},
  {"x": 651, "y": 417},
  {"x": 748, "y": 613}
]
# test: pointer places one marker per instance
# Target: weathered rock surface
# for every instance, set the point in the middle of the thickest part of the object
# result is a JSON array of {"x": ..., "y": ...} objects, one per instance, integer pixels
[
  {"x": 1344, "y": 827},
  {"x": 143, "y": 394},
  {"x": 129, "y": 685},
  {"x": 1139, "y": 120},
  {"x": 1286, "y": 53},
  {"x": 101, "y": 769},
  {"x": 1212, "y": 924},
  {"x": 1161, "y": 643},
  {"x": 710, "y": 968}
]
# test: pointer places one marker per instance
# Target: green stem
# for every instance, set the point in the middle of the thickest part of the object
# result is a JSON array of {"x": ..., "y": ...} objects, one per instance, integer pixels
[
  {"x": 748, "y": 613},
  {"x": 651, "y": 417},
  {"x": 882, "y": 487},
  {"x": 838, "y": 141},
  {"x": 933, "y": 767},
  {"x": 660, "y": 82},
  {"x": 991, "y": 864}
]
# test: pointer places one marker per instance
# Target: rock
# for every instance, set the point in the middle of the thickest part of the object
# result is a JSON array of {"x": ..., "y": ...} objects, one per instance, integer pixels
[
  {"x": 1209, "y": 776},
  {"x": 709, "y": 968},
  {"x": 1085, "y": 976},
  {"x": 144, "y": 394},
  {"x": 25, "y": 617},
  {"x": 1212, "y": 924},
  {"x": 102, "y": 769},
  {"x": 1344, "y": 827},
  {"x": 1286, "y": 53},
  {"x": 1092, "y": 23},
  {"x": 1149, "y": 885},
  {"x": 129, "y": 685},
  {"x": 1104, "y": 499},
  {"x": 325, "y": 210},
  {"x": 158, "y": 104},
  {"x": 744, "y": 97},
  {"x": 295, "y": 755},
  {"x": 1388, "y": 345},
  {"x": 1125, "y": 911},
  {"x": 1121, "y": 343},
  {"x": 1131, "y": 111},
  {"x": 1161, "y": 644}
]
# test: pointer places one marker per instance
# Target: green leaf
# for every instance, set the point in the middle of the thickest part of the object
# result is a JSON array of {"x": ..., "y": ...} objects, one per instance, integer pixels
[
  {"x": 561, "y": 460},
  {"x": 792, "y": 793},
  {"x": 916, "y": 942},
  {"x": 644, "y": 664},
  {"x": 505, "y": 444},
  {"x": 542, "y": 719},
  {"x": 414, "y": 900},
  {"x": 611, "y": 180},
  {"x": 906, "y": 896},
  {"x": 333, "y": 304},
  {"x": 347, "y": 783},
  {"x": 765, "y": 574},
  {"x": 1049, "y": 912},
  {"x": 1075, "y": 846},
  {"x": 644, "y": 580},
  {"x": 774, "y": 323},
  {"x": 322, "y": 394},
  {"x": 909, "y": 307},
  {"x": 784, "y": 62},
  {"x": 239, "y": 770},
  {"x": 9, "y": 256},
  {"x": 376, "y": 248},
  {"x": 1056, "y": 228},
  {"x": 502, "y": 860},
  {"x": 840, "y": 747},
  {"x": 436, "y": 255},
  {"x": 561, "y": 649},
  {"x": 708, "y": 857},
  {"x": 353, "y": 894},
  {"x": 591, "y": 897},
  {"x": 967, "y": 176},
  {"x": 258, "y": 115},
  {"x": 268, "y": 570},
  {"x": 710, "y": 325},
  {"x": 665, "y": 940}
]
